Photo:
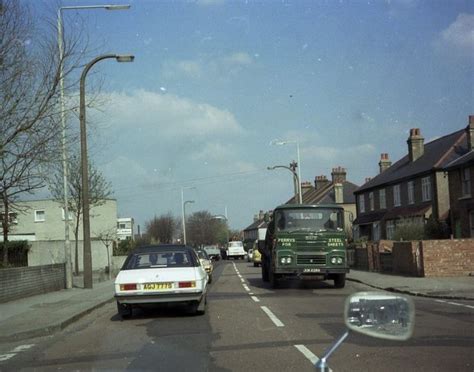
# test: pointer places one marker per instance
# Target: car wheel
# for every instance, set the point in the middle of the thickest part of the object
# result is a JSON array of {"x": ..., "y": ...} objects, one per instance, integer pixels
[
  {"x": 339, "y": 280},
  {"x": 125, "y": 311},
  {"x": 199, "y": 308}
]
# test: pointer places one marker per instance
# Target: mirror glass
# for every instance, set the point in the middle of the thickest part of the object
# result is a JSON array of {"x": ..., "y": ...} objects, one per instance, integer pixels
[{"x": 380, "y": 314}]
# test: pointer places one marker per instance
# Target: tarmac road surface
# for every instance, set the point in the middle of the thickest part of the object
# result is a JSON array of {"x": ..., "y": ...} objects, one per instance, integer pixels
[{"x": 249, "y": 326}]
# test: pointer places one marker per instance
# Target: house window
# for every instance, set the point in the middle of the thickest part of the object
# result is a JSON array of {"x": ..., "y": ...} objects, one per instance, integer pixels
[
  {"x": 68, "y": 212},
  {"x": 383, "y": 202},
  {"x": 122, "y": 226},
  {"x": 371, "y": 201},
  {"x": 390, "y": 229},
  {"x": 426, "y": 188},
  {"x": 40, "y": 216},
  {"x": 411, "y": 192},
  {"x": 361, "y": 203},
  {"x": 12, "y": 218},
  {"x": 466, "y": 181},
  {"x": 396, "y": 196}
]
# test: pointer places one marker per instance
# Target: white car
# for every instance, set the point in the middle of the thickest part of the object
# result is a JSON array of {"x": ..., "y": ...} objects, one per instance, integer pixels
[
  {"x": 161, "y": 274},
  {"x": 235, "y": 249},
  {"x": 206, "y": 263}
]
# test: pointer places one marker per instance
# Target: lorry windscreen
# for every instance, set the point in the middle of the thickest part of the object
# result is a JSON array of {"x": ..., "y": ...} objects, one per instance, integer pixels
[{"x": 311, "y": 219}]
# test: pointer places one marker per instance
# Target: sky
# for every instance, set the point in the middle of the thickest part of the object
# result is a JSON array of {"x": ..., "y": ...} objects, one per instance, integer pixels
[{"x": 215, "y": 81}]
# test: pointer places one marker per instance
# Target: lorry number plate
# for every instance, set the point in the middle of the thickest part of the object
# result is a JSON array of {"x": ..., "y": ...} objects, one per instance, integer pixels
[{"x": 312, "y": 270}]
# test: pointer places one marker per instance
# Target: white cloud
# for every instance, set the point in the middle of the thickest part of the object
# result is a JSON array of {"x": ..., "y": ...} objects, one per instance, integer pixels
[
  {"x": 337, "y": 154},
  {"x": 166, "y": 116},
  {"x": 240, "y": 58},
  {"x": 458, "y": 36}
]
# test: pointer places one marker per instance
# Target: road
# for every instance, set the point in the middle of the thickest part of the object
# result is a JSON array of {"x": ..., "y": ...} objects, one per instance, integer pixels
[{"x": 247, "y": 327}]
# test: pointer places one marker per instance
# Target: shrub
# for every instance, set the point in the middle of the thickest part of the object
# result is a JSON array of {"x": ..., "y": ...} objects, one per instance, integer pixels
[
  {"x": 17, "y": 253},
  {"x": 409, "y": 231}
]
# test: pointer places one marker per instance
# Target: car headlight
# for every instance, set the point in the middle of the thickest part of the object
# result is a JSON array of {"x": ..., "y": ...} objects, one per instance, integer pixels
[
  {"x": 337, "y": 260},
  {"x": 285, "y": 260},
  {"x": 340, "y": 260}
]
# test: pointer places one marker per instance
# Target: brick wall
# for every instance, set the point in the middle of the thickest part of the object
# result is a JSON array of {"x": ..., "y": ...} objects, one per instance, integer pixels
[
  {"x": 448, "y": 257},
  {"x": 22, "y": 282}
]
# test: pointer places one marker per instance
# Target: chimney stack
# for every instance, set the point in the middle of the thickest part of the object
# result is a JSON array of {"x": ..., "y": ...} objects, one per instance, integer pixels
[
  {"x": 416, "y": 145},
  {"x": 470, "y": 133},
  {"x": 384, "y": 162},
  {"x": 367, "y": 179},
  {"x": 338, "y": 175},
  {"x": 320, "y": 182},
  {"x": 338, "y": 193}
]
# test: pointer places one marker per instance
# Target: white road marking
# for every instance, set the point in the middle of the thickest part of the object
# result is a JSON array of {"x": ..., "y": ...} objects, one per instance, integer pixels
[
  {"x": 246, "y": 288},
  {"x": 272, "y": 317},
  {"x": 255, "y": 298},
  {"x": 308, "y": 354},
  {"x": 22, "y": 348},
  {"x": 5, "y": 357},
  {"x": 455, "y": 304},
  {"x": 251, "y": 293}
]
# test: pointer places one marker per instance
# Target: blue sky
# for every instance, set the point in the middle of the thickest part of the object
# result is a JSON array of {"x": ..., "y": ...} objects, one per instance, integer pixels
[{"x": 215, "y": 81}]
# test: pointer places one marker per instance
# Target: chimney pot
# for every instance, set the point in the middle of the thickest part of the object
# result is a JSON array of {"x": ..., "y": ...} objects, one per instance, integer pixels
[
  {"x": 384, "y": 162},
  {"x": 470, "y": 133}
]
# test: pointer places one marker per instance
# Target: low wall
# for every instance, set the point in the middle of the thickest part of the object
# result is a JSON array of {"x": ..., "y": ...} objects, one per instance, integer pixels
[
  {"x": 22, "y": 282},
  {"x": 52, "y": 252},
  {"x": 117, "y": 262},
  {"x": 448, "y": 257}
]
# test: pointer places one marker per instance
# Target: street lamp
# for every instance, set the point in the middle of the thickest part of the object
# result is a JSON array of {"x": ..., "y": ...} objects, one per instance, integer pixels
[
  {"x": 84, "y": 164},
  {"x": 184, "y": 220},
  {"x": 67, "y": 243},
  {"x": 279, "y": 143},
  {"x": 296, "y": 180}
]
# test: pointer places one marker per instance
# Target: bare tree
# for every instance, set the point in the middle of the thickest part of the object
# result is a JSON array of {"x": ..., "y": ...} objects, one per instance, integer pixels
[
  {"x": 29, "y": 112},
  {"x": 202, "y": 228},
  {"x": 162, "y": 228},
  {"x": 108, "y": 237},
  {"x": 99, "y": 191}
]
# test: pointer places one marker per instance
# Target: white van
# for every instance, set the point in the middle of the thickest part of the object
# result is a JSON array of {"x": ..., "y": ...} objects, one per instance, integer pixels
[{"x": 235, "y": 250}]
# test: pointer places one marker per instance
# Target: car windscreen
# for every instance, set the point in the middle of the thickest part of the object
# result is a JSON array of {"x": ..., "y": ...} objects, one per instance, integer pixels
[
  {"x": 317, "y": 219},
  {"x": 161, "y": 259}
]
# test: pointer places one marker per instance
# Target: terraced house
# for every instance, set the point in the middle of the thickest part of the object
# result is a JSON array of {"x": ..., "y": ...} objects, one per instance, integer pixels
[{"x": 413, "y": 189}]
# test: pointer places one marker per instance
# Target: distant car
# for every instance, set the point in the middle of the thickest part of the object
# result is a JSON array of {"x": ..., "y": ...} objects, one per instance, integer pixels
[
  {"x": 161, "y": 274},
  {"x": 235, "y": 249},
  {"x": 256, "y": 256},
  {"x": 206, "y": 263},
  {"x": 213, "y": 252}
]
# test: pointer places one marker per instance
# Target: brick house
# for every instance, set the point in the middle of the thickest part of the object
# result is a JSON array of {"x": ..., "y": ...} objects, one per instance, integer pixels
[
  {"x": 412, "y": 189},
  {"x": 461, "y": 189},
  {"x": 337, "y": 190}
]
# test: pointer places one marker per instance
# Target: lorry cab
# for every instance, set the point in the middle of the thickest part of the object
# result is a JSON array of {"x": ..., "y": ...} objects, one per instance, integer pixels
[{"x": 305, "y": 241}]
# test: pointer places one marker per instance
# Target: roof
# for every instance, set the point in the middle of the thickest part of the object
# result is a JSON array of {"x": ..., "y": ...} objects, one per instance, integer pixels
[
  {"x": 437, "y": 154},
  {"x": 259, "y": 224},
  {"x": 462, "y": 161},
  {"x": 326, "y": 195}
]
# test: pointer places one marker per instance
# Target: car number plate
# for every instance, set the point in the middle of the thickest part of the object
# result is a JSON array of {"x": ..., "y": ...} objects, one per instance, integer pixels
[
  {"x": 156, "y": 286},
  {"x": 312, "y": 270}
]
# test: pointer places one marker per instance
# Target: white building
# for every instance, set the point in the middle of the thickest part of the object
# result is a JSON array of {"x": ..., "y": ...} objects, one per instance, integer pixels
[{"x": 125, "y": 227}]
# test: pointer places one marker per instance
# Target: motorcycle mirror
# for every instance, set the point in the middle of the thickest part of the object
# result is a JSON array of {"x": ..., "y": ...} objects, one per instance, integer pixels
[{"x": 381, "y": 315}]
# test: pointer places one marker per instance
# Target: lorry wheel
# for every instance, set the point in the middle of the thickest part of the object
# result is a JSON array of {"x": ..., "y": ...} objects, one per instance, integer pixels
[
  {"x": 264, "y": 272},
  {"x": 273, "y": 278},
  {"x": 339, "y": 280}
]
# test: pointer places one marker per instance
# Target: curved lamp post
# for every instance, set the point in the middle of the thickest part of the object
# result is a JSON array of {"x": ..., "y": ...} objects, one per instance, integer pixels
[
  {"x": 84, "y": 164},
  {"x": 67, "y": 243},
  {"x": 296, "y": 180},
  {"x": 184, "y": 219},
  {"x": 279, "y": 143}
]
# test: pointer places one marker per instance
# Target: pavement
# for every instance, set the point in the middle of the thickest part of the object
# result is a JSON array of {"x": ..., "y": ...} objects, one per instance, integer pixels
[{"x": 45, "y": 314}]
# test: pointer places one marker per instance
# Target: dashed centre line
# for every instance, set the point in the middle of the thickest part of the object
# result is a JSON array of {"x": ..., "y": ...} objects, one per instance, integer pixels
[
  {"x": 272, "y": 316},
  {"x": 255, "y": 298},
  {"x": 246, "y": 288},
  {"x": 15, "y": 351},
  {"x": 5, "y": 357},
  {"x": 454, "y": 303}
]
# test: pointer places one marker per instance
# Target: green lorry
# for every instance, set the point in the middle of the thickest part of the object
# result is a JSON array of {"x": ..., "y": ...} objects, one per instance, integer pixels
[{"x": 305, "y": 242}]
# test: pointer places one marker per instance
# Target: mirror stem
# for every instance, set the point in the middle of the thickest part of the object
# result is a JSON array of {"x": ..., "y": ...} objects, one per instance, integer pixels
[{"x": 321, "y": 364}]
